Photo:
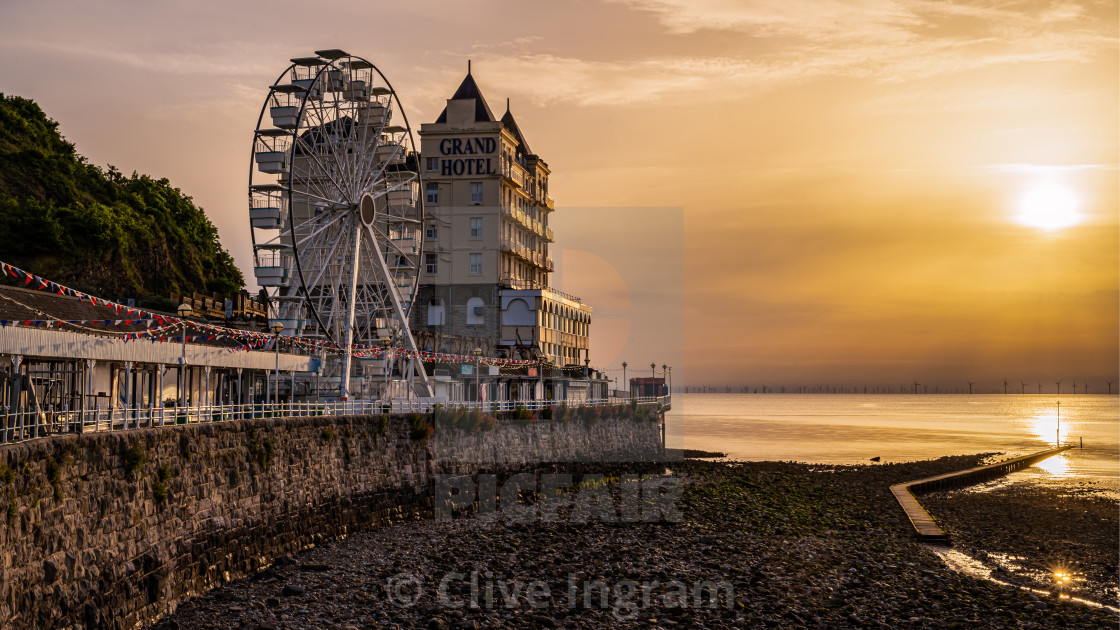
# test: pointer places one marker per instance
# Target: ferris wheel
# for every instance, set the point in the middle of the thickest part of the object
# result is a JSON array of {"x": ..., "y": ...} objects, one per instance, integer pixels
[{"x": 335, "y": 207}]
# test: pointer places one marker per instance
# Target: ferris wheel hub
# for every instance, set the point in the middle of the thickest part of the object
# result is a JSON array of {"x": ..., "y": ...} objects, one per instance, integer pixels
[{"x": 367, "y": 209}]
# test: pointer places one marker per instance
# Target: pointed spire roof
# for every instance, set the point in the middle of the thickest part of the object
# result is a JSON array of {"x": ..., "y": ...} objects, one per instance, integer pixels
[
  {"x": 511, "y": 124},
  {"x": 468, "y": 89}
]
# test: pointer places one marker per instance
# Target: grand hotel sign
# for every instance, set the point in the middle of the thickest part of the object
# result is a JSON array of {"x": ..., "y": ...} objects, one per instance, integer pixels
[{"x": 461, "y": 156}]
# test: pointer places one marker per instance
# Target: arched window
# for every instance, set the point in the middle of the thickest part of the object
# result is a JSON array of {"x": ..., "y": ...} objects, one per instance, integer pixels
[
  {"x": 518, "y": 313},
  {"x": 476, "y": 312}
]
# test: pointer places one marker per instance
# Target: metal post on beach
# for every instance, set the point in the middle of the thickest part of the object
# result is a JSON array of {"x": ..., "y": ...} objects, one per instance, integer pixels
[{"x": 1058, "y": 428}]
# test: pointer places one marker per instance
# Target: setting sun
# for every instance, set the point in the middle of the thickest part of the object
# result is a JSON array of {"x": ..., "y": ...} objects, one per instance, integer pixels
[{"x": 1048, "y": 207}]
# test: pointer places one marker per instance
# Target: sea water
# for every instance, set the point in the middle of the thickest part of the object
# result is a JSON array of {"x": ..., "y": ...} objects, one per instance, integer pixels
[{"x": 852, "y": 429}]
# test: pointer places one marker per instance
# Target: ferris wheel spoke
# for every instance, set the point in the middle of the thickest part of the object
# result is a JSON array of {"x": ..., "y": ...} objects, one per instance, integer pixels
[
  {"x": 319, "y": 230},
  {"x": 341, "y": 142},
  {"x": 326, "y": 130},
  {"x": 330, "y": 131},
  {"x": 319, "y": 197},
  {"x": 330, "y": 299},
  {"x": 324, "y": 267},
  {"x": 324, "y": 172},
  {"x": 311, "y": 179},
  {"x": 385, "y": 164},
  {"x": 369, "y": 150}
]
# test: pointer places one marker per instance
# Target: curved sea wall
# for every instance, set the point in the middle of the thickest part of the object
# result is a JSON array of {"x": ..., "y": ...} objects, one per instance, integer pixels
[{"x": 114, "y": 529}]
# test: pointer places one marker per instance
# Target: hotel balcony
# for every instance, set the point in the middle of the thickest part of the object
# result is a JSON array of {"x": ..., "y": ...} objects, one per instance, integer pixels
[
  {"x": 512, "y": 177},
  {"x": 549, "y": 203},
  {"x": 525, "y": 285},
  {"x": 521, "y": 284},
  {"x": 548, "y": 235}
]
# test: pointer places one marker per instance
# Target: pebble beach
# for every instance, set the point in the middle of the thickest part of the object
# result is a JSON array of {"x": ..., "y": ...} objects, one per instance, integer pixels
[{"x": 757, "y": 545}]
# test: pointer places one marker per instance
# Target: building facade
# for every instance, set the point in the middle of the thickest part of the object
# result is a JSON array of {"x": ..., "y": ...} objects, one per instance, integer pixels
[{"x": 484, "y": 280}]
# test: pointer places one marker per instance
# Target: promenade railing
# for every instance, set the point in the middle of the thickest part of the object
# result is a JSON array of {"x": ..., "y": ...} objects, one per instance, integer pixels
[{"x": 36, "y": 423}]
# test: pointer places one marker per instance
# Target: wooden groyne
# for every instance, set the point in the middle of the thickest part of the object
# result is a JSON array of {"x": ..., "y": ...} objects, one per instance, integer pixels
[{"x": 923, "y": 523}]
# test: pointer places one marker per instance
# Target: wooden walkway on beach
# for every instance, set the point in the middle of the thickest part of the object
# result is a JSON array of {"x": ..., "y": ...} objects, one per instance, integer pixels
[{"x": 927, "y": 529}]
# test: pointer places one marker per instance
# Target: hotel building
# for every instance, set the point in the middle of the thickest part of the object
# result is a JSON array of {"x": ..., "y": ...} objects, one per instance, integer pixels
[{"x": 484, "y": 280}]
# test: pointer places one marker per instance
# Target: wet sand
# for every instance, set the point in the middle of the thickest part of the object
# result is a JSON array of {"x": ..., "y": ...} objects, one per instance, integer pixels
[{"x": 1045, "y": 537}]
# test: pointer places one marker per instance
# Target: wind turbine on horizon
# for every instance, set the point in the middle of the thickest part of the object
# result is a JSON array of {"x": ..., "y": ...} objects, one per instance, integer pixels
[
  {"x": 1005, "y": 386},
  {"x": 970, "y": 384},
  {"x": 1023, "y": 386},
  {"x": 1109, "y": 387},
  {"x": 916, "y": 385},
  {"x": 1059, "y": 384}
]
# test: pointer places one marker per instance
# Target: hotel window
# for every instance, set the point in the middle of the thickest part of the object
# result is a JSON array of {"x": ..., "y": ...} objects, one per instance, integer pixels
[
  {"x": 476, "y": 193},
  {"x": 433, "y": 164},
  {"x": 431, "y": 193},
  {"x": 431, "y": 263},
  {"x": 476, "y": 263},
  {"x": 476, "y": 227},
  {"x": 431, "y": 232}
]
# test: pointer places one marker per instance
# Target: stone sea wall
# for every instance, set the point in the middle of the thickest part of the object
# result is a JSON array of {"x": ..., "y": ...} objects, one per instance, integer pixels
[{"x": 114, "y": 529}]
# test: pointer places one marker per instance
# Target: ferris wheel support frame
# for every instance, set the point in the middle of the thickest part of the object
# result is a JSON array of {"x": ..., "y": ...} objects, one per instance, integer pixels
[{"x": 404, "y": 320}]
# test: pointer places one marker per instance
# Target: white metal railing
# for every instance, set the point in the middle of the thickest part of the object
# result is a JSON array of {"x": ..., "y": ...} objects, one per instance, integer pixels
[{"x": 28, "y": 424}]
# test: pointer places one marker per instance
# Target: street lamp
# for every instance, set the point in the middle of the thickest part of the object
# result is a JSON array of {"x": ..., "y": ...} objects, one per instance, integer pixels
[
  {"x": 184, "y": 311},
  {"x": 624, "y": 381},
  {"x": 277, "y": 328},
  {"x": 653, "y": 378},
  {"x": 477, "y": 382},
  {"x": 670, "y": 380},
  {"x": 665, "y": 375}
]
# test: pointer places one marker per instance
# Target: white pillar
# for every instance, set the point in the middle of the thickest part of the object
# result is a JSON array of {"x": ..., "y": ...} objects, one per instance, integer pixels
[{"x": 127, "y": 394}]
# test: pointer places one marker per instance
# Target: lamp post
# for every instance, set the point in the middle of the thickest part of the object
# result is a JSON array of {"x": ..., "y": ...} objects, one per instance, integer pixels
[
  {"x": 670, "y": 380},
  {"x": 184, "y": 311},
  {"x": 540, "y": 378},
  {"x": 624, "y": 381},
  {"x": 277, "y": 328},
  {"x": 653, "y": 378},
  {"x": 477, "y": 380}
]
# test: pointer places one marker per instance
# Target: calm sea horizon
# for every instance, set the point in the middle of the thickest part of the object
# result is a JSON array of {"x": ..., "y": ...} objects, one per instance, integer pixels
[{"x": 853, "y": 428}]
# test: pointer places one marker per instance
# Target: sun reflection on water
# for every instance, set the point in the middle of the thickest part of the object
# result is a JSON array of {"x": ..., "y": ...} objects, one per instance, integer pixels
[
  {"x": 1057, "y": 465},
  {"x": 1048, "y": 428}
]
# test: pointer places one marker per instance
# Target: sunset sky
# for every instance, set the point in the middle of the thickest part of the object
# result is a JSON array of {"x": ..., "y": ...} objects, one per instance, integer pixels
[{"x": 794, "y": 192}]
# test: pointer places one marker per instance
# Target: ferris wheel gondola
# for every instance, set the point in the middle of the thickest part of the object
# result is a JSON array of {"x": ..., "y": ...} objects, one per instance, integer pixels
[{"x": 335, "y": 207}]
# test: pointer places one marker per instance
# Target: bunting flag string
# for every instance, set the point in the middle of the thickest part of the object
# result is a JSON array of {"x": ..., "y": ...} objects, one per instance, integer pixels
[{"x": 247, "y": 340}]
